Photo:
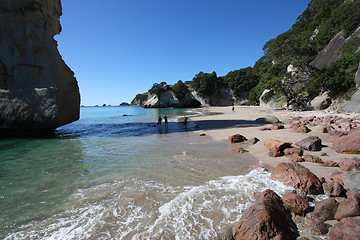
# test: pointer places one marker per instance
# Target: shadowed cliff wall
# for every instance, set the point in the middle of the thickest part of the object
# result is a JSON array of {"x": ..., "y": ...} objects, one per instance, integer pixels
[{"x": 37, "y": 89}]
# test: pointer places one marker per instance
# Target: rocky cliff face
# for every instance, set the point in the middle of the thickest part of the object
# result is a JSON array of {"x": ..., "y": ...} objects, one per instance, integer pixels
[
  {"x": 331, "y": 52},
  {"x": 169, "y": 99},
  {"x": 222, "y": 97},
  {"x": 37, "y": 89}
]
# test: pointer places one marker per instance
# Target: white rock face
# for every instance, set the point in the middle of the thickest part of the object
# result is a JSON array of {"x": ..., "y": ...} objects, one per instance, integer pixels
[
  {"x": 321, "y": 102},
  {"x": 37, "y": 89},
  {"x": 292, "y": 69},
  {"x": 272, "y": 101},
  {"x": 331, "y": 52},
  {"x": 167, "y": 99}
]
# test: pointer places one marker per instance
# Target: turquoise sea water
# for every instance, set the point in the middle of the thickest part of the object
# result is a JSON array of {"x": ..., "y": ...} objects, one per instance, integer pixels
[{"x": 109, "y": 176}]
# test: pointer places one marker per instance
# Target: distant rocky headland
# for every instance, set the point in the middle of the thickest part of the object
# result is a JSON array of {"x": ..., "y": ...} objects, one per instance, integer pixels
[
  {"x": 313, "y": 65},
  {"x": 38, "y": 91}
]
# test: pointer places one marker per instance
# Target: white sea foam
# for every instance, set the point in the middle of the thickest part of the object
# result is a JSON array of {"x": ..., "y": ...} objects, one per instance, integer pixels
[{"x": 133, "y": 209}]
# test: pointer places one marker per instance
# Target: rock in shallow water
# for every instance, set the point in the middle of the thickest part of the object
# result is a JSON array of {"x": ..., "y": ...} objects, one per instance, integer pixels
[
  {"x": 298, "y": 177},
  {"x": 37, "y": 89},
  {"x": 267, "y": 218}
]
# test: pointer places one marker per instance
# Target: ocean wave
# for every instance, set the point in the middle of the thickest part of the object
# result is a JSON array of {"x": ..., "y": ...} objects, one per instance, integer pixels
[{"x": 139, "y": 209}]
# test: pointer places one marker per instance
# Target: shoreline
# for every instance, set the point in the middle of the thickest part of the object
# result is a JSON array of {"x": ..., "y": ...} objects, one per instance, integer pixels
[{"x": 242, "y": 121}]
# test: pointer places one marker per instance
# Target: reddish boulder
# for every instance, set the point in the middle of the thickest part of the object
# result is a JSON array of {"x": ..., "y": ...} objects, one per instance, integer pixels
[
  {"x": 349, "y": 164},
  {"x": 312, "y": 158},
  {"x": 236, "y": 138},
  {"x": 276, "y": 147},
  {"x": 275, "y": 152},
  {"x": 338, "y": 177},
  {"x": 346, "y": 229},
  {"x": 253, "y": 140},
  {"x": 277, "y": 127},
  {"x": 293, "y": 151},
  {"x": 240, "y": 150},
  {"x": 295, "y": 158},
  {"x": 336, "y": 134},
  {"x": 311, "y": 143},
  {"x": 295, "y": 203},
  {"x": 330, "y": 164},
  {"x": 267, "y": 218},
  {"x": 297, "y": 176},
  {"x": 334, "y": 189},
  {"x": 300, "y": 128},
  {"x": 325, "y": 210},
  {"x": 320, "y": 227},
  {"x": 349, "y": 207},
  {"x": 349, "y": 144},
  {"x": 275, "y": 143}
]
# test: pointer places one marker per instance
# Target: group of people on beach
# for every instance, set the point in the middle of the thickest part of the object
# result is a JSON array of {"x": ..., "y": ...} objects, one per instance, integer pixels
[{"x": 166, "y": 121}]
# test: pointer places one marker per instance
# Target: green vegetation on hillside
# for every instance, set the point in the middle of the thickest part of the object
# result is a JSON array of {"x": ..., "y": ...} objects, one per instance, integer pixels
[
  {"x": 206, "y": 84},
  {"x": 297, "y": 47},
  {"x": 319, "y": 23}
]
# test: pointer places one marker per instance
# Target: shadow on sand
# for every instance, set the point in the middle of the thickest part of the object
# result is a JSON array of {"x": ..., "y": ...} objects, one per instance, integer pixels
[{"x": 149, "y": 128}]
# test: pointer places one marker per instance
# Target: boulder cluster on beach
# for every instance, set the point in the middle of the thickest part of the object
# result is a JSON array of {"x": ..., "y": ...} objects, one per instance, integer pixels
[{"x": 335, "y": 215}]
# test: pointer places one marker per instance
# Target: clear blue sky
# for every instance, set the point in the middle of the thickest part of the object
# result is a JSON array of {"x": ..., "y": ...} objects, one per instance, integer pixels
[{"x": 118, "y": 48}]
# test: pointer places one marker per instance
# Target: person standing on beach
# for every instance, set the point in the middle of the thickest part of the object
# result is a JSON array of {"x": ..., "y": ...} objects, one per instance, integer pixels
[
  {"x": 185, "y": 121},
  {"x": 166, "y": 121},
  {"x": 233, "y": 109},
  {"x": 159, "y": 120}
]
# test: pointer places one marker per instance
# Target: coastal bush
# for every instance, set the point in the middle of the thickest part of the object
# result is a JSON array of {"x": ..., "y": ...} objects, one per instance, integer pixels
[
  {"x": 298, "y": 46},
  {"x": 141, "y": 97},
  {"x": 180, "y": 90},
  {"x": 206, "y": 84},
  {"x": 241, "y": 81},
  {"x": 159, "y": 88}
]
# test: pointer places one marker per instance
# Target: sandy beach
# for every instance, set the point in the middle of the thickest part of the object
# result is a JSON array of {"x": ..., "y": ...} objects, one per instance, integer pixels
[{"x": 219, "y": 123}]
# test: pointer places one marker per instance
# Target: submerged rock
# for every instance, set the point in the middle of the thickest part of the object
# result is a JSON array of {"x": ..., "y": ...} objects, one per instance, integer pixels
[{"x": 38, "y": 90}]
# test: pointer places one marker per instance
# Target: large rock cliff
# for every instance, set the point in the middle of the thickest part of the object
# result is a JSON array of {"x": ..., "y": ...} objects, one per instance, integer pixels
[
  {"x": 169, "y": 99},
  {"x": 38, "y": 90}
]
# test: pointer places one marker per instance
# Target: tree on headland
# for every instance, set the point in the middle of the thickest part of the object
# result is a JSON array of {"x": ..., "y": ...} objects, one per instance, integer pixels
[
  {"x": 159, "y": 88},
  {"x": 206, "y": 84},
  {"x": 287, "y": 68},
  {"x": 241, "y": 81},
  {"x": 181, "y": 90}
]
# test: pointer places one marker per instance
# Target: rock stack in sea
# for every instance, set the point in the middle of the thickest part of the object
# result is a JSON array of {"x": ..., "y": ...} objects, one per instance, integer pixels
[{"x": 38, "y": 91}]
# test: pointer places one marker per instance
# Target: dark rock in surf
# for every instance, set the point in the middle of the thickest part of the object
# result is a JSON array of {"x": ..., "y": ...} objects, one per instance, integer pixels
[{"x": 267, "y": 218}]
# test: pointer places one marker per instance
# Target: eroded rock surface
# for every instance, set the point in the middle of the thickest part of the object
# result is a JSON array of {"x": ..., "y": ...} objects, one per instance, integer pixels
[
  {"x": 267, "y": 218},
  {"x": 37, "y": 89},
  {"x": 298, "y": 177},
  {"x": 347, "y": 228},
  {"x": 348, "y": 144}
]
